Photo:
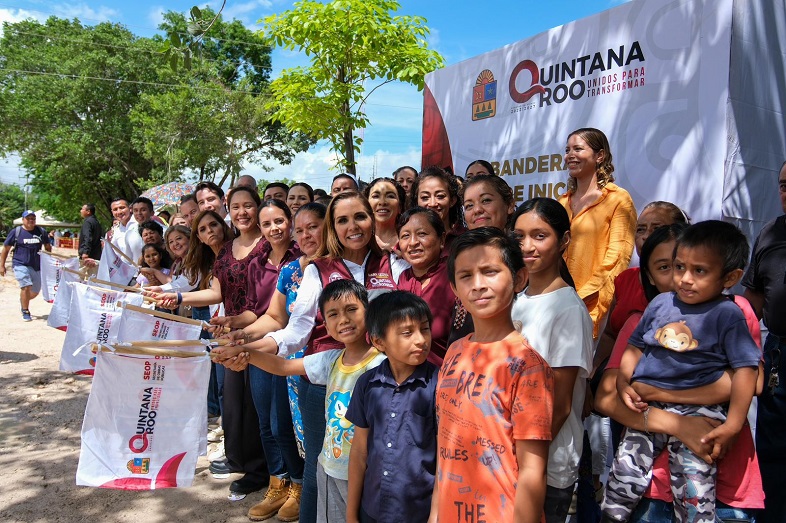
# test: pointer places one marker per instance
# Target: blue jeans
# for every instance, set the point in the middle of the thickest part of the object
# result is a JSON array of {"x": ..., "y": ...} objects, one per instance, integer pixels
[
  {"x": 657, "y": 511},
  {"x": 215, "y": 388},
  {"x": 271, "y": 401},
  {"x": 312, "y": 408}
]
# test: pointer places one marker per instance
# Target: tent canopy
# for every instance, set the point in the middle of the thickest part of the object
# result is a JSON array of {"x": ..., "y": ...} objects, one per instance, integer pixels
[{"x": 44, "y": 220}]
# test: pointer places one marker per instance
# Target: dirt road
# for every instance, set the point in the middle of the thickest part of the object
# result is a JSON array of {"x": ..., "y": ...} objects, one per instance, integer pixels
[{"x": 40, "y": 421}]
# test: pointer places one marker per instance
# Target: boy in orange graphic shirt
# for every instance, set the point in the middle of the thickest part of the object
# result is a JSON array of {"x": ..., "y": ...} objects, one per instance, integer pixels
[{"x": 494, "y": 397}]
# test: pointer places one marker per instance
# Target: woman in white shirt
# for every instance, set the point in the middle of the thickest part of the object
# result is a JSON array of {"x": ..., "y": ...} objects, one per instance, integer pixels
[{"x": 557, "y": 325}]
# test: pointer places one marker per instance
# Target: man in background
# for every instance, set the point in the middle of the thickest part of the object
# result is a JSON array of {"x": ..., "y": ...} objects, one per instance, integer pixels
[
  {"x": 90, "y": 234},
  {"x": 27, "y": 240}
]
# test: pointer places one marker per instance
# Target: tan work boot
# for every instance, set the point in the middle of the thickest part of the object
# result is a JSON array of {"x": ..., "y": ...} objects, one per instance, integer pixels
[
  {"x": 275, "y": 497},
  {"x": 291, "y": 509}
]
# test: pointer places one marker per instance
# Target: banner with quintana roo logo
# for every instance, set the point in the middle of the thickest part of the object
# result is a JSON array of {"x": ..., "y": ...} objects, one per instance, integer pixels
[
  {"x": 53, "y": 275},
  {"x": 143, "y": 422},
  {"x": 93, "y": 318}
]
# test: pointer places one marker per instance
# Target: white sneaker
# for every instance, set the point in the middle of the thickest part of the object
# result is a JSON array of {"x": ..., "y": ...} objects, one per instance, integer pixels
[
  {"x": 215, "y": 435},
  {"x": 218, "y": 454}
]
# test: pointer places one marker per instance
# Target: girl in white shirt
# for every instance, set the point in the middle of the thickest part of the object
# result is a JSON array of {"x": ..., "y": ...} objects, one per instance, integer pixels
[{"x": 557, "y": 325}]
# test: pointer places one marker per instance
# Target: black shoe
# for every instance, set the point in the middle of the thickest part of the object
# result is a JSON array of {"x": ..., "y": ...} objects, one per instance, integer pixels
[
  {"x": 248, "y": 484},
  {"x": 220, "y": 469}
]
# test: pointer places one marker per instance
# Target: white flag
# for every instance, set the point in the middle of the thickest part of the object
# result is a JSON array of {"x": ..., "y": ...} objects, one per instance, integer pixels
[
  {"x": 93, "y": 318},
  {"x": 143, "y": 422},
  {"x": 113, "y": 267},
  {"x": 61, "y": 308},
  {"x": 140, "y": 326},
  {"x": 53, "y": 275}
]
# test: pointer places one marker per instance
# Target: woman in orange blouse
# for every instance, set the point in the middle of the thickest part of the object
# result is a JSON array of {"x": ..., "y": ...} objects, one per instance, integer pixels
[{"x": 602, "y": 222}]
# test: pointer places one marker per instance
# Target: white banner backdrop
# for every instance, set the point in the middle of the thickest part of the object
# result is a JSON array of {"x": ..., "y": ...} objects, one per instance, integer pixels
[
  {"x": 52, "y": 274},
  {"x": 144, "y": 422},
  {"x": 93, "y": 318},
  {"x": 653, "y": 75}
]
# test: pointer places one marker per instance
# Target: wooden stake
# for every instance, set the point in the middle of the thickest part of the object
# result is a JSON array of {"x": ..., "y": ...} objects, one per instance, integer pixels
[
  {"x": 168, "y": 316},
  {"x": 148, "y": 351},
  {"x": 171, "y": 343}
]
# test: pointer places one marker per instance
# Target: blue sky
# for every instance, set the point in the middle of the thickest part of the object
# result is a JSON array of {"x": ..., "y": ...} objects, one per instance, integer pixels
[{"x": 459, "y": 30}]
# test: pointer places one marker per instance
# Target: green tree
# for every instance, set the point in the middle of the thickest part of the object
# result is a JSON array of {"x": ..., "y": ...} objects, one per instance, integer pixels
[
  {"x": 351, "y": 44},
  {"x": 12, "y": 203},
  {"x": 262, "y": 184},
  {"x": 217, "y": 121},
  {"x": 96, "y": 112},
  {"x": 70, "y": 126}
]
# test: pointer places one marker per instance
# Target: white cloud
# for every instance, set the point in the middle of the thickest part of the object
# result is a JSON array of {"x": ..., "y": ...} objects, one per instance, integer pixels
[
  {"x": 156, "y": 15},
  {"x": 13, "y": 16},
  {"x": 238, "y": 10},
  {"x": 85, "y": 13},
  {"x": 314, "y": 166}
]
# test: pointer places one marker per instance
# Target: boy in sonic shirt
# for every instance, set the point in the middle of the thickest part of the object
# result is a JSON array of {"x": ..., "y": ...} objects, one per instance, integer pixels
[{"x": 494, "y": 397}]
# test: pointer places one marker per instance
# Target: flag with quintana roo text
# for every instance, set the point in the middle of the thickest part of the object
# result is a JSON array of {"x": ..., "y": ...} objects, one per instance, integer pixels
[
  {"x": 143, "y": 422},
  {"x": 136, "y": 325},
  {"x": 114, "y": 267}
]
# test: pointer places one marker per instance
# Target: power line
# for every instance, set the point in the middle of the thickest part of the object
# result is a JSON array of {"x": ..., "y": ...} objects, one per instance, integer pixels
[
  {"x": 239, "y": 62},
  {"x": 186, "y": 34},
  {"x": 162, "y": 84}
]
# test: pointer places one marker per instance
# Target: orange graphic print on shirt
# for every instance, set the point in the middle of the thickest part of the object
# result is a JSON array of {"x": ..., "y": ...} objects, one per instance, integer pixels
[{"x": 489, "y": 395}]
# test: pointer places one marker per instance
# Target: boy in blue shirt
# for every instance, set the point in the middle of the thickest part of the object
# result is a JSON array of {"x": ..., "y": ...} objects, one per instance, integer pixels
[
  {"x": 687, "y": 339},
  {"x": 394, "y": 452}
]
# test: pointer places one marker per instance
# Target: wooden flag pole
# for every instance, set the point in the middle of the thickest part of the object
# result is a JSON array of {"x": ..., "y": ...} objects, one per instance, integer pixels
[
  {"x": 72, "y": 271},
  {"x": 115, "y": 285},
  {"x": 173, "y": 343},
  {"x": 57, "y": 255},
  {"x": 168, "y": 316},
  {"x": 148, "y": 351}
]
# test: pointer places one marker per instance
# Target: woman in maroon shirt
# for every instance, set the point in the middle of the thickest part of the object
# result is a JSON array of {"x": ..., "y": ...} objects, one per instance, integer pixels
[
  {"x": 229, "y": 285},
  {"x": 421, "y": 238}
]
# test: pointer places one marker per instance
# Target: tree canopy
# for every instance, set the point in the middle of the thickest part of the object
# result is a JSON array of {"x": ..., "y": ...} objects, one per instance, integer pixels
[
  {"x": 354, "y": 47},
  {"x": 96, "y": 112}
]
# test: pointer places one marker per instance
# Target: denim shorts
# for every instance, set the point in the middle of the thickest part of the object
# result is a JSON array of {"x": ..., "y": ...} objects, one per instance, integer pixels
[{"x": 28, "y": 277}]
